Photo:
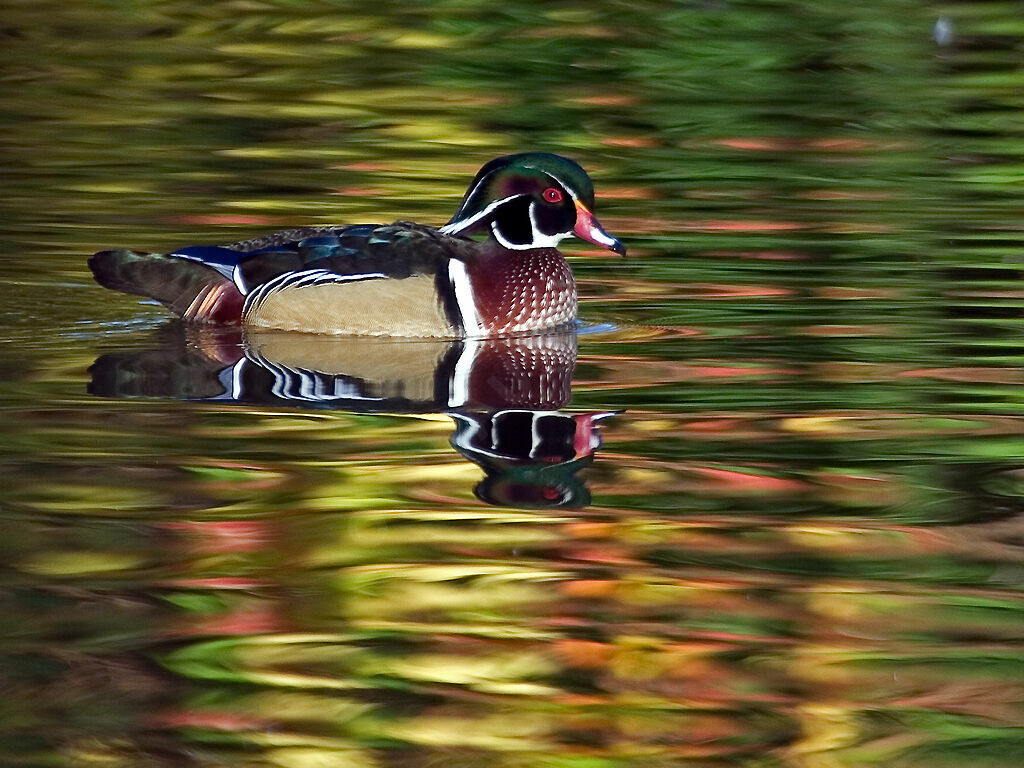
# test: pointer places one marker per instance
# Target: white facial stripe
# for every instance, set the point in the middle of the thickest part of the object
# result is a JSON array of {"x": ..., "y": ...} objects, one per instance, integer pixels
[
  {"x": 479, "y": 184},
  {"x": 539, "y": 239},
  {"x": 464, "y": 299},
  {"x": 566, "y": 187},
  {"x": 458, "y": 226}
]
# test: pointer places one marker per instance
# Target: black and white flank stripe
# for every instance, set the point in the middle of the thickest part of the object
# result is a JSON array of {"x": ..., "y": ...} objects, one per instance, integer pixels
[{"x": 304, "y": 279}]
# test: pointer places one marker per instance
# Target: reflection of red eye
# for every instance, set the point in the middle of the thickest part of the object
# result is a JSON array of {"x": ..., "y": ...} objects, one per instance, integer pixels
[{"x": 553, "y": 195}]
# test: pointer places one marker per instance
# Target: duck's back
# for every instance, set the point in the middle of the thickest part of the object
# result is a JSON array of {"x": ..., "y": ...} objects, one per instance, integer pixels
[
  {"x": 363, "y": 279},
  {"x": 369, "y": 280}
]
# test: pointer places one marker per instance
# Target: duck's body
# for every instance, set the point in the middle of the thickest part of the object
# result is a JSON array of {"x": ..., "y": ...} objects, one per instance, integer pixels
[{"x": 401, "y": 279}]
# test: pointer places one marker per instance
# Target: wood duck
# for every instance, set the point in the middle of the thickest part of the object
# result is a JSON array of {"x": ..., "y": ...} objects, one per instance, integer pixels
[{"x": 401, "y": 279}]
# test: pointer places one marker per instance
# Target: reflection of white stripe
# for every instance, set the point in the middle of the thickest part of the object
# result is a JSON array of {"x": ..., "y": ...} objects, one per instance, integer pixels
[
  {"x": 473, "y": 427},
  {"x": 299, "y": 384},
  {"x": 495, "y": 427},
  {"x": 280, "y": 385},
  {"x": 464, "y": 298},
  {"x": 534, "y": 435},
  {"x": 458, "y": 226},
  {"x": 307, "y": 384},
  {"x": 230, "y": 379},
  {"x": 458, "y": 390}
]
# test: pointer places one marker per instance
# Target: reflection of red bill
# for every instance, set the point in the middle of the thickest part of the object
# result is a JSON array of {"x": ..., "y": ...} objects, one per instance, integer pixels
[{"x": 588, "y": 229}]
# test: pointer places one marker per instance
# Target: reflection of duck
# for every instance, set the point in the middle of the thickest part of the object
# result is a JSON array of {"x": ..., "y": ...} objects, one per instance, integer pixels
[
  {"x": 503, "y": 393},
  {"x": 402, "y": 279},
  {"x": 530, "y": 458},
  {"x": 345, "y": 373}
]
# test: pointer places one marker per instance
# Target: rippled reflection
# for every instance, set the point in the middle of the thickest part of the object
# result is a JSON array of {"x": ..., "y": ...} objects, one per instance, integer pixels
[{"x": 503, "y": 394}]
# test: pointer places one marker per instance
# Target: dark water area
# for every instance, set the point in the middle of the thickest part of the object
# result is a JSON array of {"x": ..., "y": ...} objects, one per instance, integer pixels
[{"x": 765, "y": 509}]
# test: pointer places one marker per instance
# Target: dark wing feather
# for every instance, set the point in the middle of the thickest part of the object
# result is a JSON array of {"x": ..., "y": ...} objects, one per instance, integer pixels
[
  {"x": 209, "y": 283},
  {"x": 187, "y": 287},
  {"x": 394, "y": 250}
]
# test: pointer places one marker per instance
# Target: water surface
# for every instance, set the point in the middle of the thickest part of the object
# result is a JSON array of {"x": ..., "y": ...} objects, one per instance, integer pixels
[{"x": 797, "y": 541}]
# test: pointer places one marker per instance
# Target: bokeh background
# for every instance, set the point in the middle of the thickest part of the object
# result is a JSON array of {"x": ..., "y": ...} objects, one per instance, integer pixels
[{"x": 804, "y": 543}]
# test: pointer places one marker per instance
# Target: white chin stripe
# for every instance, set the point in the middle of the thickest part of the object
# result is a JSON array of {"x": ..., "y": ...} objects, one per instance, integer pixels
[
  {"x": 508, "y": 243},
  {"x": 540, "y": 240}
]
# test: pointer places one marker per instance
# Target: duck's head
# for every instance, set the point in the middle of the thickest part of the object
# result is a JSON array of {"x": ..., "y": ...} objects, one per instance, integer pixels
[{"x": 531, "y": 200}]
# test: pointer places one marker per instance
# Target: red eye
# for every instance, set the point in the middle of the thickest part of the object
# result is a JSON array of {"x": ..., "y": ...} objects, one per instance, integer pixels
[{"x": 553, "y": 195}]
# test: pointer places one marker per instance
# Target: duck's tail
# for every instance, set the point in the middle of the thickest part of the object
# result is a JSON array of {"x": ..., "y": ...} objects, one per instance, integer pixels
[{"x": 188, "y": 288}]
